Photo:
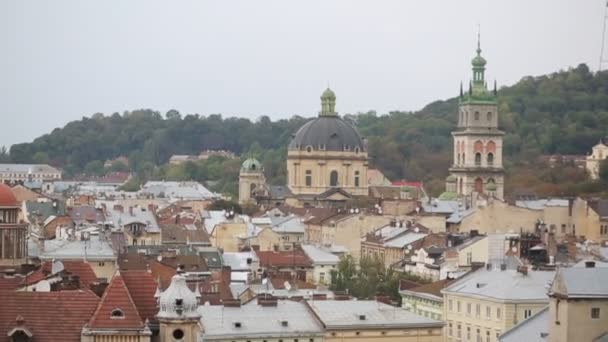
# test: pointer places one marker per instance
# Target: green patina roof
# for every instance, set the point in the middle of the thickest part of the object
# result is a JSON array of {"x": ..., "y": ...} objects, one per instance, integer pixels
[
  {"x": 478, "y": 91},
  {"x": 251, "y": 164},
  {"x": 448, "y": 195},
  {"x": 451, "y": 179},
  {"x": 328, "y": 94}
]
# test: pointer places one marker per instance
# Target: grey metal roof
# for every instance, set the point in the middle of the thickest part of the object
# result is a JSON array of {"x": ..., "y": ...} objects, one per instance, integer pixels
[
  {"x": 238, "y": 261},
  {"x": 290, "y": 224},
  {"x": 533, "y": 329},
  {"x": 329, "y": 131},
  {"x": 93, "y": 249},
  {"x": 258, "y": 321},
  {"x": 180, "y": 190},
  {"x": 508, "y": 285},
  {"x": 404, "y": 240},
  {"x": 348, "y": 314},
  {"x": 134, "y": 215},
  {"x": 24, "y": 168},
  {"x": 279, "y": 191},
  {"x": 540, "y": 204},
  {"x": 319, "y": 256},
  {"x": 578, "y": 282}
]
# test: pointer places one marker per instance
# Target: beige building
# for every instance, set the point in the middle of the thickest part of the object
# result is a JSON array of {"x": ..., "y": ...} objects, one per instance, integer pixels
[
  {"x": 578, "y": 308},
  {"x": 228, "y": 235},
  {"x": 599, "y": 152},
  {"x": 486, "y": 303},
  {"x": 327, "y": 153},
  {"x": 590, "y": 219}
]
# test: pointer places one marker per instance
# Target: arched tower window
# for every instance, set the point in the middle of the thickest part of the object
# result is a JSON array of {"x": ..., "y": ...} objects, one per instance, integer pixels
[
  {"x": 489, "y": 117},
  {"x": 458, "y": 159},
  {"x": 490, "y": 159},
  {"x": 333, "y": 178},
  {"x": 491, "y": 146},
  {"x": 308, "y": 178},
  {"x": 477, "y": 159},
  {"x": 476, "y": 116},
  {"x": 252, "y": 189},
  {"x": 356, "y": 178}
]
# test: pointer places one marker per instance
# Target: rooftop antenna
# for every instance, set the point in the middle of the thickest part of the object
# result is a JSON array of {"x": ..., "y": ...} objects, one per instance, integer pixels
[{"x": 603, "y": 59}]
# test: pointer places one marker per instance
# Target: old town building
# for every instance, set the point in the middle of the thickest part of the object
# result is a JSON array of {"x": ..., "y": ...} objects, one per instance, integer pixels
[{"x": 13, "y": 241}]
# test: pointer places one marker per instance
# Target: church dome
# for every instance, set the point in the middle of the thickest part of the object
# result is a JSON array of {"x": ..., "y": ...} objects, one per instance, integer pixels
[
  {"x": 478, "y": 61},
  {"x": 178, "y": 301},
  {"x": 327, "y": 133},
  {"x": 252, "y": 165},
  {"x": 7, "y": 197}
]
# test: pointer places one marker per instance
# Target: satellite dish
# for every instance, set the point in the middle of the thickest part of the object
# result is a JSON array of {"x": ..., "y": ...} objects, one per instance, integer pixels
[
  {"x": 416, "y": 230},
  {"x": 352, "y": 211},
  {"x": 264, "y": 281},
  {"x": 357, "y": 210}
]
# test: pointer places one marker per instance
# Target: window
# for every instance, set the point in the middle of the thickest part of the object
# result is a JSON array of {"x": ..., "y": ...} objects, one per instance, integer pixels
[
  {"x": 178, "y": 334},
  {"x": 333, "y": 178},
  {"x": 469, "y": 258},
  {"x": 489, "y": 117},
  {"x": 490, "y": 159},
  {"x": 478, "y": 335},
  {"x": 477, "y": 159},
  {"x": 458, "y": 331},
  {"x": 488, "y": 336},
  {"x": 356, "y": 150},
  {"x": 527, "y": 313},
  {"x": 595, "y": 313},
  {"x": 488, "y": 312},
  {"x": 477, "y": 310},
  {"x": 498, "y": 313},
  {"x": 308, "y": 149},
  {"x": 356, "y": 178},
  {"x": 450, "y": 306},
  {"x": 308, "y": 178},
  {"x": 458, "y": 306},
  {"x": 476, "y": 116},
  {"x": 468, "y": 333},
  {"x": 117, "y": 313},
  {"x": 563, "y": 229},
  {"x": 450, "y": 329},
  {"x": 468, "y": 308}
]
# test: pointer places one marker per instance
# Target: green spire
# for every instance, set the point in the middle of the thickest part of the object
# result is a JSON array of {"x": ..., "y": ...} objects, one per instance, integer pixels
[
  {"x": 478, "y": 90},
  {"x": 328, "y": 103}
]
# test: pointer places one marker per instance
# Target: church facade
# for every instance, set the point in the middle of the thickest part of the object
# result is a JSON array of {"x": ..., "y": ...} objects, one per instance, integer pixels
[{"x": 477, "y": 155}]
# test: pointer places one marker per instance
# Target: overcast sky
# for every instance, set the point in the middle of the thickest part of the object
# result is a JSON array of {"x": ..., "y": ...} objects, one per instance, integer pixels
[{"x": 61, "y": 60}]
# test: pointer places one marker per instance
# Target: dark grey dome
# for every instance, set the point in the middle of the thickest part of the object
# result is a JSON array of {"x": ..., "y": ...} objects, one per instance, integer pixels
[{"x": 329, "y": 133}]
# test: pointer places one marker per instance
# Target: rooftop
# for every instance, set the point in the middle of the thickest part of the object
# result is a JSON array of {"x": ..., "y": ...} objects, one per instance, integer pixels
[
  {"x": 576, "y": 282},
  {"x": 533, "y": 329},
  {"x": 508, "y": 285},
  {"x": 245, "y": 322},
  {"x": 92, "y": 249},
  {"x": 181, "y": 190},
  {"x": 540, "y": 204},
  {"x": 349, "y": 314},
  {"x": 320, "y": 256}
]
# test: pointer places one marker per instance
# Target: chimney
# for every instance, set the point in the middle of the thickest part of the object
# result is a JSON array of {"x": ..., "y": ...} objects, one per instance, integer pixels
[
  {"x": 522, "y": 269},
  {"x": 590, "y": 264}
]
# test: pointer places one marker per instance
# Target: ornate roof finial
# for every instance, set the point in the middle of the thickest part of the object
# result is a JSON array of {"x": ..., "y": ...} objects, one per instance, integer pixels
[{"x": 478, "y": 38}]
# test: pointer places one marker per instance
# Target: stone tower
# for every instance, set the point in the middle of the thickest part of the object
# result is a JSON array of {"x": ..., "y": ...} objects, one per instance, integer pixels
[
  {"x": 178, "y": 316},
  {"x": 477, "y": 167},
  {"x": 251, "y": 179}
]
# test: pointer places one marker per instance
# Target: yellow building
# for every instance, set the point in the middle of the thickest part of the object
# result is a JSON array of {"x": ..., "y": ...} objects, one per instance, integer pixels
[
  {"x": 487, "y": 302},
  {"x": 578, "y": 309},
  {"x": 599, "y": 152},
  {"x": 327, "y": 153}
]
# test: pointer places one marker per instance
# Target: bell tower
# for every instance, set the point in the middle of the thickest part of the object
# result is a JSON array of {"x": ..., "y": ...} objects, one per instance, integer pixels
[
  {"x": 477, "y": 167},
  {"x": 178, "y": 315}
]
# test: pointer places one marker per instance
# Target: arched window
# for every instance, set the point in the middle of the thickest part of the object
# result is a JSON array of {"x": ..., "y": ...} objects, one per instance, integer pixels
[
  {"x": 308, "y": 178},
  {"x": 117, "y": 313},
  {"x": 477, "y": 159},
  {"x": 489, "y": 117},
  {"x": 491, "y": 146},
  {"x": 253, "y": 166},
  {"x": 476, "y": 116},
  {"x": 491, "y": 181},
  {"x": 478, "y": 146},
  {"x": 356, "y": 178},
  {"x": 490, "y": 159},
  {"x": 357, "y": 150},
  {"x": 252, "y": 189},
  {"x": 458, "y": 159},
  {"x": 308, "y": 149},
  {"x": 479, "y": 185},
  {"x": 333, "y": 178}
]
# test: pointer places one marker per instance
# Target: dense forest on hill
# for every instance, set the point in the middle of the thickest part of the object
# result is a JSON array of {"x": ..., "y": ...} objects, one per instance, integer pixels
[{"x": 565, "y": 112}]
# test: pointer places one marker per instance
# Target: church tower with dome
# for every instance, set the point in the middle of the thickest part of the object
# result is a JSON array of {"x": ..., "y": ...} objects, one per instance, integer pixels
[
  {"x": 251, "y": 180},
  {"x": 477, "y": 167},
  {"x": 327, "y": 156},
  {"x": 178, "y": 312},
  {"x": 13, "y": 234}
]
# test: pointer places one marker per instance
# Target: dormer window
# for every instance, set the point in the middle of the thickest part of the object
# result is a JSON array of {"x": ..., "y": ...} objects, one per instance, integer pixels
[
  {"x": 117, "y": 314},
  {"x": 309, "y": 149},
  {"x": 356, "y": 150}
]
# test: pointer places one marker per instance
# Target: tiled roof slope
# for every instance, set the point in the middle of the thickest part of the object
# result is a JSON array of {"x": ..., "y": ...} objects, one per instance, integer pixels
[
  {"x": 116, "y": 297},
  {"x": 72, "y": 310},
  {"x": 142, "y": 287}
]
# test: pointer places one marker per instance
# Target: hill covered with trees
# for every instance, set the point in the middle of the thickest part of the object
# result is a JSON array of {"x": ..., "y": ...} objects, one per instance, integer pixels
[{"x": 562, "y": 113}]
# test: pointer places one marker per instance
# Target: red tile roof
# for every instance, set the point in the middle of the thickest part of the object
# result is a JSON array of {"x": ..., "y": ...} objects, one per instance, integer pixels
[
  {"x": 283, "y": 258},
  {"x": 416, "y": 185},
  {"x": 116, "y": 297},
  {"x": 77, "y": 268},
  {"x": 142, "y": 287},
  {"x": 50, "y": 316},
  {"x": 7, "y": 197}
]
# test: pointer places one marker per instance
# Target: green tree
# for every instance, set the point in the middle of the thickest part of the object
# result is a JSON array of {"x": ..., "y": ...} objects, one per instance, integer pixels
[{"x": 94, "y": 168}]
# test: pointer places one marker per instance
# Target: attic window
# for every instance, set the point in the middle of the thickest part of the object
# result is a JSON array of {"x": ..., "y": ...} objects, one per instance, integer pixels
[
  {"x": 117, "y": 314},
  {"x": 308, "y": 149}
]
